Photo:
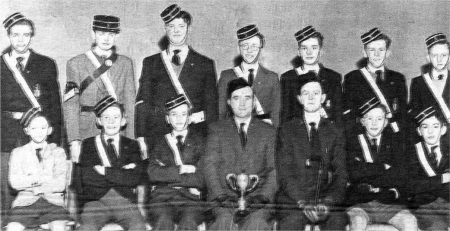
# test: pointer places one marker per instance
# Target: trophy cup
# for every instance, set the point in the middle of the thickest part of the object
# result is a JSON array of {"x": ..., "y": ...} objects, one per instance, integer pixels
[{"x": 242, "y": 184}]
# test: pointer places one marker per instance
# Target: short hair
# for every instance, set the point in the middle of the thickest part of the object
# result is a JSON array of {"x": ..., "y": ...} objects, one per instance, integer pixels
[
  {"x": 380, "y": 106},
  {"x": 439, "y": 117},
  {"x": 118, "y": 105},
  {"x": 316, "y": 35},
  {"x": 310, "y": 77},
  {"x": 25, "y": 21},
  {"x": 187, "y": 18},
  {"x": 441, "y": 42},
  {"x": 37, "y": 115},
  {"x": 382, "y": 37}
]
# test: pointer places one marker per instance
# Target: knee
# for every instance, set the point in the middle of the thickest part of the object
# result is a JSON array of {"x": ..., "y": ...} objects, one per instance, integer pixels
[
  {"x": 407, "y": 221},
  {"x": 58, "y": 225},
  {"x": 15, "y": 226},
  {"x": 358, "y": 219}
]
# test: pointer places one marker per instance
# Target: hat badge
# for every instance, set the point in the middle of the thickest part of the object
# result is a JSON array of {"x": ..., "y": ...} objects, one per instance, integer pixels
[
  {"x": 328, "y": 104},
  {"x": 108, "y": 62},
  {"x": 37, "y": 90}
]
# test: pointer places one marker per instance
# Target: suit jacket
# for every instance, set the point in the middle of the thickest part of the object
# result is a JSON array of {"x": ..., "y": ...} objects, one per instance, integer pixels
[
  {"x": 164, "y": 173},
  {"x": 421, "y": 94},
  {"x": 25, "y": 169},
  {"x": 90, "y": 185},
  {"x": 81, "y": 124},
  {"x": 361, "y": 171},
  {"x": 425, "y": 189},
  {"x": 198, "y": 77},
  {"x": 357, "y": 91},
  {"x": 266, "y": 87},
  {"x": 224, "y": 155},
  {"x": 298, "y": 182},
  {"x": 290, "y": 89},
  {"x": 39, "y": 70}
]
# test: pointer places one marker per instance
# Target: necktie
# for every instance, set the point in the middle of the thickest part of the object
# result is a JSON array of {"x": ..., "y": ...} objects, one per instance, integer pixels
[
  {"x": 176, "y": 57},
  {"x": 38, "y": 154},
  {"x": 242, "y": 135},
  {"x": 180, "y": 144},
  {"x": 379, "y": 77},
  {"x": 373, "y": 146},
  {"x": 314, "y": 140},
  {"x": 433, "y": 156},
  {"x": 19, "y": 64},
  {"x": 111, "y": 151},
  {"x": 440, "y": 77},
  {"x": 251, "y": 76}
]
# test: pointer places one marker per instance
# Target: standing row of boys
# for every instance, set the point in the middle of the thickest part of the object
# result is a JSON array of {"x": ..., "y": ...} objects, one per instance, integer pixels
[{"x": 324, "y": 168}]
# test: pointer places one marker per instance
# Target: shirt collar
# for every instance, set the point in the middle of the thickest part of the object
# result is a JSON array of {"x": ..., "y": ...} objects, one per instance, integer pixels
[
  {"x": 314, "y": 68},
  {"x": 178, "y": 133},
  {"x": 101, "y": 53},
  {"x": 246, "y": 121},
  {"x": 378, "y": 138},
  {"x": 435, "y": 74},
  {"x": 116, "y": 137},
  {"x": 25, "y": 56},
  {"x": 183, "y": 50},
  {"x": 373, "y": 70},
  {"x": 42, "y": 145},
  {"x": 312, "y": 117}
]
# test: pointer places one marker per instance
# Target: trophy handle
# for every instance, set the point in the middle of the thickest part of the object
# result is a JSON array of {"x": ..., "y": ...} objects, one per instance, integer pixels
[
  {"x": 231, "y": 180},
  {"x": 254, "y": 180}
]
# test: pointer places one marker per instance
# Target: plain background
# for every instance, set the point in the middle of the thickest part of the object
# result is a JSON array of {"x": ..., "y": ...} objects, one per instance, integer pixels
[{"x": 63, "y": 28}]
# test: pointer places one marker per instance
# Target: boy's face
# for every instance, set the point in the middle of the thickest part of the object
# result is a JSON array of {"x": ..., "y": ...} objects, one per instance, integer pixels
[
  {"x": 241, "y": 102},
  {"x": 374, "y": 122},
  {"x": 249, "y": 49},
  {"x": 179, "y": 117},
  {"x": 111, "y": 120},
  {"x": 104, "y": 40},
  {"x": 376, "y": 52},
  {"x": 38, "y": 129},
  {"x": 439, "y": 56},
  {"x": 310, "y": 51},
  {"x": 177, "y": 31},
  {"x": 20, "y": 38},
  {"x": 311, "y": 97},
  {"x": 431, "y": 129}
]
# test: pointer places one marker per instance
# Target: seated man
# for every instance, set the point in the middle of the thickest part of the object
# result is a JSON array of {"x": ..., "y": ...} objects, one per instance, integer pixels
[
  {"x": 109, "y": 169},
  {"x": 234, "y": 146},
  {"x": 376, "y": 165},
  {"x": 311, "y": 165},
  {"x": 173, "y": 171},
  {"x": 38, "y": 171},
  {"x": 429, "y": 173}
]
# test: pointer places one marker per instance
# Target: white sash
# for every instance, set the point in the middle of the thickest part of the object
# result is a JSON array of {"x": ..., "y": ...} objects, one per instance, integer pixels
[
  {"x": 101, "y": 151},
  {"x": 104, "y": 77},
  {"x": 439, "y": 99},
  {"x": 195, "y": 117},
  {"x": 377, "y": 91},
  {"x": 300, "y": 71},
  {"x": 365, "y": 148},
  {"x": 423, "y": 160},
  {"x": 172, "y": 142},
  {"x": 10, "y": 62},
  {"x": 258, "y": 108}
]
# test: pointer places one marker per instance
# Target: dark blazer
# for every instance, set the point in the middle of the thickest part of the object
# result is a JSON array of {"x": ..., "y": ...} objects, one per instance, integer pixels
[
  {"x": 423, "y": 188},
  {"x": 298, "y": 182},
  {"x": 164, "y": 174},
  {"x": 198, "y": 78},
  {"x": 90, "y": 185},
  {"x": 390, "y": 152},
  {"x": 421, "y": 94},
  {"x": 266, "y": 88},
  {"x": 224, "y": 155},
  {"x": 357, "y": 91},
  {"x": 40, "y": 70},
  {"x": 290, "y": 89}
]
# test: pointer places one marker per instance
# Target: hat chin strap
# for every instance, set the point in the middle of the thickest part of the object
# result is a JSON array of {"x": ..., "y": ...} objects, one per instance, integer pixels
[{"x": 254, "y": 60}]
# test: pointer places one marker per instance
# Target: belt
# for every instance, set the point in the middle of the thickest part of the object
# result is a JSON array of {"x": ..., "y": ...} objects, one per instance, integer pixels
[{"x": 13, "y": 114}]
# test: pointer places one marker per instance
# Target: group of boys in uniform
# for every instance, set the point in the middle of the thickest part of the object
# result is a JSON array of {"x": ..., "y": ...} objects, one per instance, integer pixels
[{"x": 324, "y": 153}]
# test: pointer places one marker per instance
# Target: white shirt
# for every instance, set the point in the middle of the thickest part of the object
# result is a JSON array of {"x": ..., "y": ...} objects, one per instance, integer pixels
[
  {"x": 182, "y": 54},
  {"x": 373, "y": 70},
  {"x": 437, "y": 151},
  {"x": 180, "y": 133},
  {"x": 25, "y": 57},
  {"x": 312, "y": 118},
  {"x": 377, "y": 138},
  {"x": 246, "y": 121},
  {"x": 116, "y": 139},
  {"x": 245, "y": 67},
  {"x": 42, "y": 145},
  {"x": 314, "y": 68}
]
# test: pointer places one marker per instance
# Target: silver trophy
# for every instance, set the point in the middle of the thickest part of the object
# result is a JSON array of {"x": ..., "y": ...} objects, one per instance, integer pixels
[{"x": 242, "y": 184}]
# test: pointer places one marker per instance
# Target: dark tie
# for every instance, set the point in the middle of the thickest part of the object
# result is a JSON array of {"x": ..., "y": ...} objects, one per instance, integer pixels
[
  {"x": 111, "y": 151},
  {"x": 314, "y": 140},
  {"x": 373, "y": 146},
  {"x": 19, "y": 64},
  {"x": 379, "y": 77},
  {"x": 433, "y": 156},
  {"x": 38, "y": 154},
  {"x": 251, "y": 76},
  {"x": 242, "y": 135},
  {"x": 440, "y": 77},
  {"x": 180, "y": 144},
  {"x": 176, "y": 57}
]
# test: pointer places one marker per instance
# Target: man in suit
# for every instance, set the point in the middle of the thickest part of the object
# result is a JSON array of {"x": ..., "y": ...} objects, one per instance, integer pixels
[
  {"x": 93, "y": 75},
  {"x": 241, "y": 144},
  {"x": 389, "y": 86},
  {"x": 310, "y": 49},
  {"x": 179, "y": 69},
  {"x": 311, "y": 157},
  {"x": 429, "y": 173},
  {"x": 28, "y": 80},
  {"x": 377, "y": 171},
  {"x": 264, "y": 82},
  {"x": 109, "y": 169},
  {"x": 173, "y": 171}
]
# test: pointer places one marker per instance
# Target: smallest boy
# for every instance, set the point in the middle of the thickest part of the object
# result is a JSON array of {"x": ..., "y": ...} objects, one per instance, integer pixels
[
  {"x": 38, "y": 171},
  {"x": 173, "y": 170},
  {"x": 429, "y": 170},
  {"x": 109, "y": 169},
  {"x": 374, "y": 160}
]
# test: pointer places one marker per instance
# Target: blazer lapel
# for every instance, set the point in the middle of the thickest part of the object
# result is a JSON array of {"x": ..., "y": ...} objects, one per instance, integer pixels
[
  {"x": 187, "y": 66},
  {"x": 260, "y": 79}
]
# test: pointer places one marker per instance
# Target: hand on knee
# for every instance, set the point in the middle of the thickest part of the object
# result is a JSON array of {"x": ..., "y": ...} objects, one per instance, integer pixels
[
  {"x": 15, "y": 226},
  {"x": 358, "y": 219}
]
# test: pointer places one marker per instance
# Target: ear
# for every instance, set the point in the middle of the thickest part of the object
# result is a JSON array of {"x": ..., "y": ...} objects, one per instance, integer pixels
[
  {"x": 298, "y": 52},
  {"x": 49, "y": 131},
  {"x": 93, "y": 35},
  {"x": 443, "y": 130},
  {"x": 229, "y": 102},
  {"x": 123, "y": 121},
  {"x": 299, "y": 99},
  {"x": 418, "y": 131},
  {"x": 167, "y": 119},
  {"x": 26, "y": 131},
  {"x": 428, "y": 58},
  {"x": 386, "y": 122},
  {"x": 98, "y": 121},
  {"x": 321, "y": 52},
  {"x": 388, "y": 52},
  {"x": 364, "y": 53},
  {"x": 322, "y": 98},
  {"x": 362, "y": 121},
  {"x": 238, "y": 49}
]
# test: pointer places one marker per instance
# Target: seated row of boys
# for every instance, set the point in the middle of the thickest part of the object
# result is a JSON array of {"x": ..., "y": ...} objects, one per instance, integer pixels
[{"x": 313, "y": 170}]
